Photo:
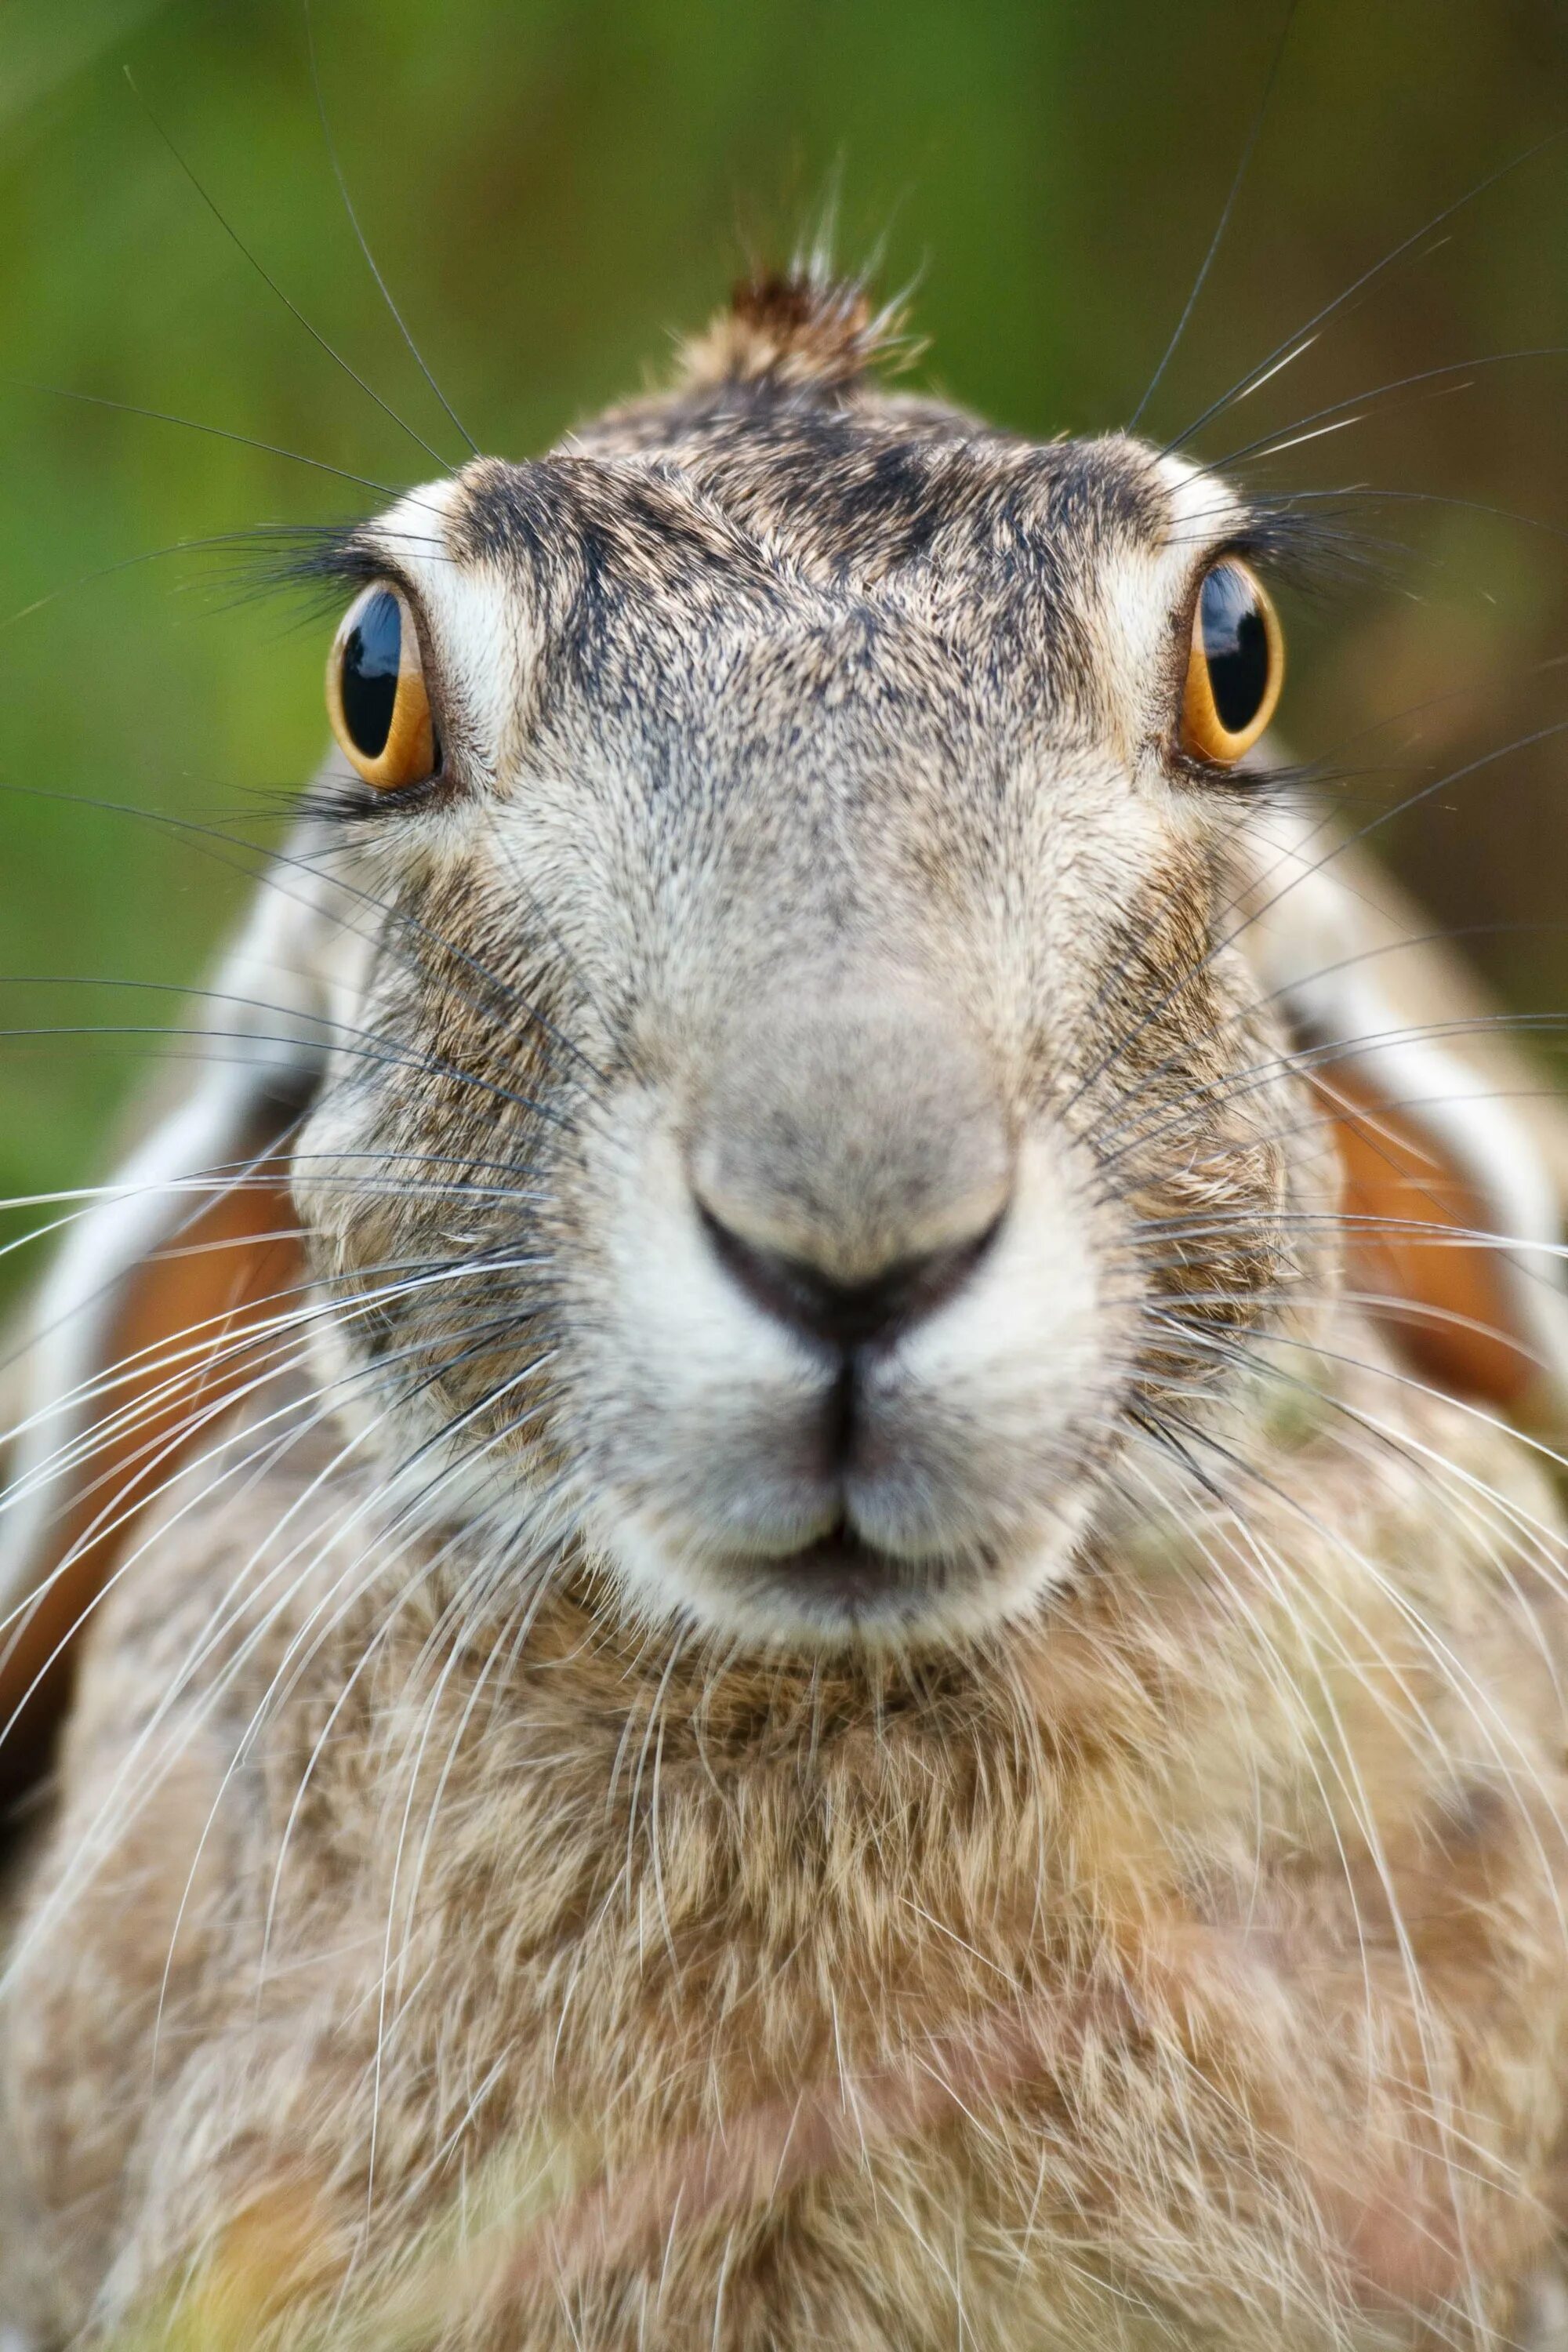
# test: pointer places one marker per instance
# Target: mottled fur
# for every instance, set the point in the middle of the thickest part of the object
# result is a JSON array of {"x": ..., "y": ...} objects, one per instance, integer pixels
[{"x": 1137, "y": 1919}]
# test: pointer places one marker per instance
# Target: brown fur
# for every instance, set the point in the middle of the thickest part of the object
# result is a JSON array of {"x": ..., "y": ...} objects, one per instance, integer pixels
[
  {"x": 660, "y": 1904},
  {"x": 435, "y": 1943},
  {"x": 784, "y": 328}
]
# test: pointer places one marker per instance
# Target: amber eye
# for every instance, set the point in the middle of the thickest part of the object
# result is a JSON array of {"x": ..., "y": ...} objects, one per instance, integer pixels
[
  {"x": 1236, "y": 667},
  {"x": 376, "y": 692}
]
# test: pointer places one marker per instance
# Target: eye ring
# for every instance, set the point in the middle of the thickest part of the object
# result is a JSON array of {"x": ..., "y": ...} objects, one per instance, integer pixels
[
  {"x": 1235, "y": 667},
  {"x": 376, "y": 697}
]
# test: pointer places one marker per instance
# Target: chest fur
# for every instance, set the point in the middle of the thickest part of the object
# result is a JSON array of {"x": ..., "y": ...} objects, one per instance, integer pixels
[{"x": 1119, "y": 1938}]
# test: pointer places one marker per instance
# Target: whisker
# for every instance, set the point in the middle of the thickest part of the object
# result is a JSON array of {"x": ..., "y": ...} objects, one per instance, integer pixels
[
  {"x": 362, "y": 242},
  {"x": 273, "y": 287},
  {"x": 1367, "y": 278},
  {"x": 1337, "y": 849},
  {"x": 213, "y": 432},
  {"x": 1218, "y": 240},
  {"x": 284, "y": 862},
  {"x": 1267, "y": 445}
]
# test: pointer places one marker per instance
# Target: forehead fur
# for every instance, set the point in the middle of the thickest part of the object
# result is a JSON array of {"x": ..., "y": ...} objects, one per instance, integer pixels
[
  {"x": 844, "y": 493},
  {"x": 777, "y": 486}
]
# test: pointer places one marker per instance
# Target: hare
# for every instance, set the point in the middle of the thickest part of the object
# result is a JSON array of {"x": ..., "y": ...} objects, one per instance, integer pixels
[{"x": 813, "y": 1606}]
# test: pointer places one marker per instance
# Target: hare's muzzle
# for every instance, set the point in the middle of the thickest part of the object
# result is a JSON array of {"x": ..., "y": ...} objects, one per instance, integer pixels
[{"x": 858, "y": 1306}]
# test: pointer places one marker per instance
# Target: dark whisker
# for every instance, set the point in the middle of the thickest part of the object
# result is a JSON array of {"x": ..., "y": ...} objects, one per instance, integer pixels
[
  {"x": 273, "y": 287},
  {"x": 215, "y": 432},
  {"x": 364, "y": 244}
]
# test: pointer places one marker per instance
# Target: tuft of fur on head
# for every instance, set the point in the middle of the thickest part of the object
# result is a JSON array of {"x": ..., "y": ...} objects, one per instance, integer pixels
[{"x": 802, "y": 327}]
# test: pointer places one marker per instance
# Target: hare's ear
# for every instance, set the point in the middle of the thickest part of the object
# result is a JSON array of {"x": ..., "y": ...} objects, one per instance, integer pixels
[
  {"x": 159, "y": 1306},
  {"x": 1453, "y": 1147}
]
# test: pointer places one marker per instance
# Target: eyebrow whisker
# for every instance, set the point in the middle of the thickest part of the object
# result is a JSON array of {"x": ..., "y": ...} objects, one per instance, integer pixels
[
  {"x": 364, "y": 242},
  {"x": 273, "y": 287}
]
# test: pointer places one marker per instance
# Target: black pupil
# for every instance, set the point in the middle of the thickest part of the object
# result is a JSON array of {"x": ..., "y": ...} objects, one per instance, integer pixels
[
  {"x": 373, "y": 652},
  {"x": 1235, "y": 647}
]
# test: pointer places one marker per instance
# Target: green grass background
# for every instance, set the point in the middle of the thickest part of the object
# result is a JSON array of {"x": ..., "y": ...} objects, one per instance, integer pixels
[{"x": 553, "y": 186}]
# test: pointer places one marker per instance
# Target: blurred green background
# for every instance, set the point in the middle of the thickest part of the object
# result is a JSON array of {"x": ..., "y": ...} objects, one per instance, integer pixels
[{"x": 552, "y": 186}]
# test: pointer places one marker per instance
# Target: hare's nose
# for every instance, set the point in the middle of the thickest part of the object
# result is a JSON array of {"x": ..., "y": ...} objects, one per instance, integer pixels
[
  {"x": 851, "y": 1163},
  {"x": 847, "y": 1315}
]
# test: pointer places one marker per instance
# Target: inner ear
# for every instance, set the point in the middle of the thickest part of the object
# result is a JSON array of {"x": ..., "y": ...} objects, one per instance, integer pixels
[
  {"x": 1453, "y": 1153},
  {"x": 182, "y": 1331},
  {"x": 1409, "y": 1209}
]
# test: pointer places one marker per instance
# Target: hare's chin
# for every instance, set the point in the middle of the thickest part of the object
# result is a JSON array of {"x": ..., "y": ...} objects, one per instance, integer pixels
[{"x": 840, "y": 1589}]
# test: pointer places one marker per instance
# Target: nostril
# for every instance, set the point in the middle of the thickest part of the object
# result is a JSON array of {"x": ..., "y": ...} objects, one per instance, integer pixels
[{"x": 847, "y": 1314}]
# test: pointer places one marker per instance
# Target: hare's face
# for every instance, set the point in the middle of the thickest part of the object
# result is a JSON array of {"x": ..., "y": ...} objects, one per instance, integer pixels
[{"x": 811, "y": 1093}]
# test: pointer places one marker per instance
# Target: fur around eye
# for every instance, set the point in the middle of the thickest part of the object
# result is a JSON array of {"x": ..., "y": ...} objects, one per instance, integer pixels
[
  {"x": 376, "y": 696},
  {"x": 1235, "y": 667}
]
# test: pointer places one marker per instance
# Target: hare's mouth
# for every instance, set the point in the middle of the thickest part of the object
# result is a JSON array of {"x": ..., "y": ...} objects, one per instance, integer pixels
[
  {"x": 840, "y": 1586},
  {"x": 844, "y": 1570}
]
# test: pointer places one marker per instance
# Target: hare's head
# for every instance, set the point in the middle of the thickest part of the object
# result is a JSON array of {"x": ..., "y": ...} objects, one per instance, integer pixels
[
  {"x": 802, "y": 1017},
  {"x": 800, "y": 1096}
]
